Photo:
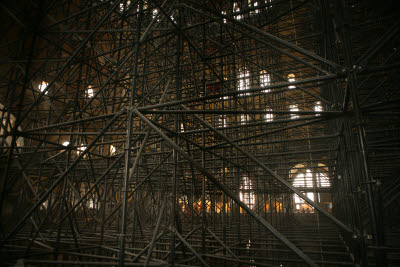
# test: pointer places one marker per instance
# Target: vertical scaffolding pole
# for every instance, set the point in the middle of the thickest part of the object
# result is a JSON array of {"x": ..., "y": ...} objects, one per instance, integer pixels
[
  {"x": 367, "y": 179},
  {"x": 129, "y": 142}
]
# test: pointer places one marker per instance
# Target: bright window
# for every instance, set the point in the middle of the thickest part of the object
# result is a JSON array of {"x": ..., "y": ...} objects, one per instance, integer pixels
[
  {"x": 173, "y": 18},
  {"x": 45, "y": 205},
  {"x": 222, "y": 121},
  {"x": 318, "y": 108},
  {"x": 255, "y": 5},
  {"x": 269, "y": 116},
  {"x": 123, "y": 6},
  {"x": 66, "y": 143},
  {"x": 90, "y": 203},
  {"x": 81, "y": 149},
  {"x": 245, "y": 193},
  {"x": 43, "y": 87},
  {"x": 113, "y": 149},
  {"x": 144, "y": 6},
  {"x": 294, "y": 108},
  {"x": 244, "y": 118},
  {"x": 155, "y": 14},
  {"x": 89, "y": 92},
  {"x": 265, "y": 80},
  {"x": 244, "y": 81},
  {"x": 223, "y": 13},
  {"x": 306, "y": 180},
  {"x": 291, "y": 78},
  {"x": 236, "y": 8},
  {"x": 323, "y": 180}
]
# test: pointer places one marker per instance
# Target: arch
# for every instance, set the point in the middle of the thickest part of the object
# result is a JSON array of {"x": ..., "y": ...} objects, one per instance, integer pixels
[{"x": 310, "y": 181}]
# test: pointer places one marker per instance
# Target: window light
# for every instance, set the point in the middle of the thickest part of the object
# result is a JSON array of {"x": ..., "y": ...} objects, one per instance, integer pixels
[
  {"x": 318, "y": 108},
  {"x": 294, "y": 108},
  {"x": 236, "y": 8},
  {"x": 265, "y": 80},
  {"x": 244, "y": 118},
  {"x": 113, "y": 149},
  {"x": 269, "y": 116},
  {"x": 43, "y": 87},
  {"x": 254, "y": 4},
  {"x": 245, "y": 195},
  {"x": 244, "y": 81},
  {"x": 89, "y": 92},
  {"x": 225, "y": 97},
  {"x": 45, "y": 205},
  {"x": 291, "y": 78},
  {"x": 223, "y": 13},
  {"x": 66, "y": 143},
  {"x": 90, "y": 204},
  {"x": 323, "y": 180},
  {"x": 122, "y": 6},
  {"x": 299, "y": 181},
  {"x": 80, "y": 149},
  {"x": 155, "y": 14},
  {"x": 144, "y": 6},
  {"x": 309, "y": 179},
  {"x": 306, "y": 180},
  {"x": 222, "y": 121}
]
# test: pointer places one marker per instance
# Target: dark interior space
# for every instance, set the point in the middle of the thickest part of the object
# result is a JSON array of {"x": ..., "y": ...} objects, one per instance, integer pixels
[{"x": 199, "y": 133}]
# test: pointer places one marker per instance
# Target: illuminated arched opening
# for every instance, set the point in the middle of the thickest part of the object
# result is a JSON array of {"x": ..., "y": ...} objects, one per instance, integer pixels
[{"x": 315, "y": 184}]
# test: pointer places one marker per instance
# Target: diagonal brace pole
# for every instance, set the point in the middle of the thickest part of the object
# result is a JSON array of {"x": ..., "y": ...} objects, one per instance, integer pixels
[
  {"x": 22, "y": 222},
  {"x": 280, "y": 179},
  {"x": 227, "y": 191}
]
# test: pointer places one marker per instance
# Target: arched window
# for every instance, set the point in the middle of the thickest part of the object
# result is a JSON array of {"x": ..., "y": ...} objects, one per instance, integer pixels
[{"x": 304, "y": 179}]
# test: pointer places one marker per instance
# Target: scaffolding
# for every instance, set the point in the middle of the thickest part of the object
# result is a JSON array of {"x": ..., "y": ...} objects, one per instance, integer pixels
[{"x": 187, "y": 133}]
